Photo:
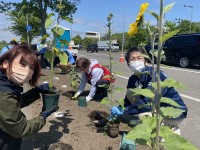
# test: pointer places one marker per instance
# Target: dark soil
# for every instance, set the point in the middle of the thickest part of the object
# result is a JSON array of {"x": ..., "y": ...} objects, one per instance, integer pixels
[{"x": 75, "y": 129}]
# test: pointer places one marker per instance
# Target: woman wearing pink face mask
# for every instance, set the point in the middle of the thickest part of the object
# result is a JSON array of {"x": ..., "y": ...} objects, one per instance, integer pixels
[{"x": 19, "y": 65}]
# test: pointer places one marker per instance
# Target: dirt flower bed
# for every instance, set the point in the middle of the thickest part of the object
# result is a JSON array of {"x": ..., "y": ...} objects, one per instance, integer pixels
[{"x": 74, "y": 130}]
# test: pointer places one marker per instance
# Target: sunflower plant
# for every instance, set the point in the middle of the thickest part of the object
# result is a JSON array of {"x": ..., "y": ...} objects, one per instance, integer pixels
[
  {"x": 57, "y": 31},
  {"x": 150, "y": 131}
]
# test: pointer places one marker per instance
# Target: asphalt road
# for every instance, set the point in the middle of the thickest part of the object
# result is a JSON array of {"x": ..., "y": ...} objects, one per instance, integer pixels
[{"x": 190, "y": 127}]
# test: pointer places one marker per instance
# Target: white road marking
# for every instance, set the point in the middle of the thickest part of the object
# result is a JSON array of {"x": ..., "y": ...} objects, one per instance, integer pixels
[
  {"x": 189, "y": 97},
  {"x": 184, "y": 70},
  {"x": 183, "y": 95}
]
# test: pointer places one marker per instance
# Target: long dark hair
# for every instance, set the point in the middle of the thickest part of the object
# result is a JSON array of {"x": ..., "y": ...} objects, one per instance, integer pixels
[{"x": 28, "y": 55}]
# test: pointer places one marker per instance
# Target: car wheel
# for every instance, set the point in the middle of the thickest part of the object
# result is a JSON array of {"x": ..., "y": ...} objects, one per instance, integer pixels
[{"x": 184, "y": 62}]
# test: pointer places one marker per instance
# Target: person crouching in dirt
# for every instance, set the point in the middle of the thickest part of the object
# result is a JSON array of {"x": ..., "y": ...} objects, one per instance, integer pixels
[
  {"x": 138, "y": 64},
  {"x": 94, "y": 74},
  {"x": 18, "y": 66},
  {"x": 65, "y": 68}
]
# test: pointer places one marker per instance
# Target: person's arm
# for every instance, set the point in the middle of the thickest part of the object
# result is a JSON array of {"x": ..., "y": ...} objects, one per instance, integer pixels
[
  {"x": 83, "y": 83},
  {"x": 13, "y": 121},
  {"x": 97, "y": 73},
  {"x": 29, "y": 97},
  {"x": 172, "y": 94}
]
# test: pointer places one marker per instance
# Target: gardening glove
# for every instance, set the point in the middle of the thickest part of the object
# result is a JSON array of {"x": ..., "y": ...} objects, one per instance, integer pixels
[
  {"x": 43, "y": 88},
  {"x": 47, "y": 113},
  {"x": 76, "y": 95},
  {"x": 116, "y": 110},
  {"x": 88, "y": 98}
]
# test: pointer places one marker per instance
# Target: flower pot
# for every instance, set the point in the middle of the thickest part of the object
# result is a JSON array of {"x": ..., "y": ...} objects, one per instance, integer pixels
[
  {"x": 50, "y": 100},
  {"x": 82, "y": 101},
  {"x": 127, "y": 144},
  {"x": 113, "y": 129}
]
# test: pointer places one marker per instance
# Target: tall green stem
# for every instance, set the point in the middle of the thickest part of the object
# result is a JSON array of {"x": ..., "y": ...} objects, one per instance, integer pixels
[{"x": 158, "y": 97}]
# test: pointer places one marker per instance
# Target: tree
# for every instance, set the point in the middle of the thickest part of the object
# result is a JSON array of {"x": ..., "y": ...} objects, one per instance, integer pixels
[
  {"x": 137, "y": 39},
  {"x": 41, "y": 6},
  {"x": 77, "y": 40},
  {"x": 170, "y": 26},
  {"x": 18, "y": 18}
]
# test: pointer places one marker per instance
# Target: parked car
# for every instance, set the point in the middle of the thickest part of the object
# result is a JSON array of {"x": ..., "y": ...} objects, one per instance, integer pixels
[
  {"x": 181, "y": 49},
  {"x": 92, "y": 47}
]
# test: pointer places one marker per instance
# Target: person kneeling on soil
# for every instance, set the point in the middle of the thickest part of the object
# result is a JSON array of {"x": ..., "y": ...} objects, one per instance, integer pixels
[
  {"x": 138, "y": 64},
  {"x": 18, "y": 66},
  {"x": 96, "y": 75}
]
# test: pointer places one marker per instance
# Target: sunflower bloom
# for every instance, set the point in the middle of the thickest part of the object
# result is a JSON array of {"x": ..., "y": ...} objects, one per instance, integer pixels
[
  {"x": 133, "y": 29},
  {"x": 143, "y": 8}
]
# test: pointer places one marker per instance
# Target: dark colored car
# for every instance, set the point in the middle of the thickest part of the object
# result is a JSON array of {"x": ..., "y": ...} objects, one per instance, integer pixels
[
  {"x": 92, "y": 48},
  {"x": 182, "y": 49}
]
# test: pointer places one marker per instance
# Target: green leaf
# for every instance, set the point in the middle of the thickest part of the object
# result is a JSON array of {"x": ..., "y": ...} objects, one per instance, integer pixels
[
  {"x": 153, "y": 14},
  {"x": 169, "y": 82},
  {"x": 141, "y": 131},
  {"x": 149, "y": 121},
  {"x": 118, "y": 89},
  {"x": 63, "y": 58},
  {"x": 48, "y": 23},
  {"x": 48, "y": 55},
  {"x": 146, "y": 56},
  {"x": 168, "y": 7},
  {"x": 171, "y": 112},
  {"x": 144, "y": 92},
  {"x": 58, "y": 31},
  {"x": 67, "y": 19},
  {"x": 121, "y": 102},
  {"x": 154, "y": 52},
  {"x": 64, "y": 42},
  {"x": 154, "y": 85},
  {"x": 105, "y": 100},
  {"x": 169, "y": 101},
  {"x": 44, "y": 37},
  {"x": 174, "y": 141},
  {"x": 168, "y": 35},
  {"x": 50, "y": 15}
]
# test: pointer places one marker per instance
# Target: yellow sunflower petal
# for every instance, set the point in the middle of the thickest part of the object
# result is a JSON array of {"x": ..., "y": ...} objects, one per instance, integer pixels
[
  {"x": 143, "y": 8},
  {"x": 133, "y": 29}
]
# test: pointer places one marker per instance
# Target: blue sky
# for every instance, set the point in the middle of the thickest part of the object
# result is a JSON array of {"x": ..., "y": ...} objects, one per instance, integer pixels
[{"x": 91, "y": 15}]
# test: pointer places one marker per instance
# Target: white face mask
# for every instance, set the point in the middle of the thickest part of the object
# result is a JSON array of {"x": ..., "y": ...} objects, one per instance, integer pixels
[
  {"x": 136, "y": 66},
  {"x": 20, "y": 75}
]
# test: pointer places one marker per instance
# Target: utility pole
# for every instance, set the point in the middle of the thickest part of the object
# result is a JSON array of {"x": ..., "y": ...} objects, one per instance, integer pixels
[
  {"x": 123, "y": 30},
  {"x": 190, "y": 17},
  {"x": 27, "y": 29}
]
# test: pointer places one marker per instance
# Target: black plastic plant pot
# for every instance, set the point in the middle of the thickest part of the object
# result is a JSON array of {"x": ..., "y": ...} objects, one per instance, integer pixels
[
  {"x": 50, "y": 100},
  {"x": 82, "y": 102}
]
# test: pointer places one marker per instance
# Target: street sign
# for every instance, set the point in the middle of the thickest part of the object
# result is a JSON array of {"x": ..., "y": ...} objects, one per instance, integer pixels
[{"x": 28, "y": 27}]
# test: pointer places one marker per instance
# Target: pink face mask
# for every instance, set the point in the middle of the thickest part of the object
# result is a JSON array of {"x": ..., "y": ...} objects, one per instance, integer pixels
[{"x": 20, "y": 75}]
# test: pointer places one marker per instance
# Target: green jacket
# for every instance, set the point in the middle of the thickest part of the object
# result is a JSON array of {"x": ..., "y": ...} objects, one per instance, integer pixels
[{"x": 13, "y": 123}]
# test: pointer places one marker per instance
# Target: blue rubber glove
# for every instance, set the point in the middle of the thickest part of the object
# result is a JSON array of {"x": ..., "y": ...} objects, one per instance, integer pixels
[
  {"x": 116, "y": 110},
  {"x": 43, "y": 88},
  {"x": 47, "y": 113}
]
